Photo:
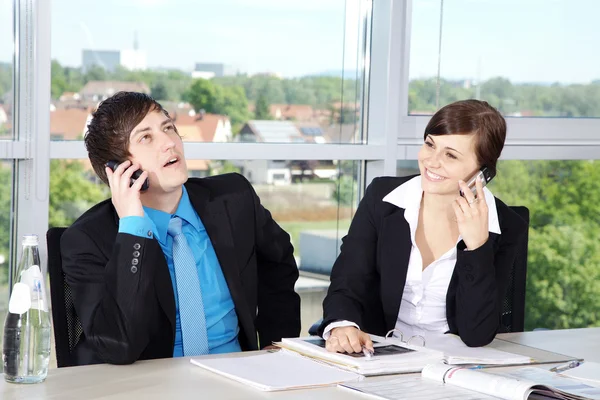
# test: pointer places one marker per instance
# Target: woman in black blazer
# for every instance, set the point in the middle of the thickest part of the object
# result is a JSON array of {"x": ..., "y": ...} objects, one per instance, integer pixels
[{"x": 420, "y": 257}]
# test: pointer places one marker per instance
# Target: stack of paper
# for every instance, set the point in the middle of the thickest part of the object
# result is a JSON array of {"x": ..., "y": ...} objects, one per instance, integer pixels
[{"x": 275, "y": 370}]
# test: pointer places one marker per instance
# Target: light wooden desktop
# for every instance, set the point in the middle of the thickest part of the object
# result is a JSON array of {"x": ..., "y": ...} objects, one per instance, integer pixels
[{"x": 179, "y": 379}]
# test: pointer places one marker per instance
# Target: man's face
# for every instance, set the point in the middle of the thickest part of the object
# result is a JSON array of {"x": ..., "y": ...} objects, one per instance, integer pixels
[{"x": 157, "y": 147}]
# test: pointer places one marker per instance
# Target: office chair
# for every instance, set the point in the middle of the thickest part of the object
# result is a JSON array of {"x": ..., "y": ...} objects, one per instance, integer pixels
[
  {"x": 513, "y": 305},
  {"x": 67, "y": 327}
]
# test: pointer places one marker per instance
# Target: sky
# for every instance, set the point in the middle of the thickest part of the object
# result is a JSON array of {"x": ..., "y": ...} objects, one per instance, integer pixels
[{"x": 522, "y": 40}]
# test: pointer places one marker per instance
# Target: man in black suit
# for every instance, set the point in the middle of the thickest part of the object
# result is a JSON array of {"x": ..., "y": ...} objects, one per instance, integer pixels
[{"x": 131, "y": 283}]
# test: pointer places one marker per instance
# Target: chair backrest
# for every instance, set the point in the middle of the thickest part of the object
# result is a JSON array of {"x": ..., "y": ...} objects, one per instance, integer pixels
[
  {"x": 513, "y": 305},
  {"x": 67, "y": 327}
]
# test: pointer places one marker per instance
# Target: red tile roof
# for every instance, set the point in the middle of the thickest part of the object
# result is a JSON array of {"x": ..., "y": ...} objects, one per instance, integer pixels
[
  {"x": 70, "y": 123},
  {"x": 194, "y": 129}
]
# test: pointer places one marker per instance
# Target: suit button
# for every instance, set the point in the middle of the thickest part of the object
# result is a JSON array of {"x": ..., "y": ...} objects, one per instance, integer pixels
[
  {"x": 149, "y": 233},
  {"x": 136, "y": 253},
  {"x": 133, "y": 269},
  {"x": 135, "y": 261},
  {"x": 137, "y": 246}
]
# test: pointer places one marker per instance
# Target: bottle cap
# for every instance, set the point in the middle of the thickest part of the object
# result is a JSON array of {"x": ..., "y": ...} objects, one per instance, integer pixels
[{"x": 30, "y": 240}]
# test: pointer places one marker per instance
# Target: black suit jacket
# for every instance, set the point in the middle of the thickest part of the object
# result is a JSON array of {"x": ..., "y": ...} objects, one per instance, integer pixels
[
  {"x": 128, "y": 313},
  {"x": 368, "y": 278}
]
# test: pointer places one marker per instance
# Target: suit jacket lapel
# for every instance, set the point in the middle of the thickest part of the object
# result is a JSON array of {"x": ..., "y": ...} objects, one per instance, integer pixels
[
  {"x": 214, "y": 216},
  {"x": 394, "y": 253}
]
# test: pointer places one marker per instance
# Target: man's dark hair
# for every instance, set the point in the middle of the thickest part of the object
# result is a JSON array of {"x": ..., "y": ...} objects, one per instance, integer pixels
[
  {"x": 472, "y": 117},
  {"x": 107, "y": 137}
]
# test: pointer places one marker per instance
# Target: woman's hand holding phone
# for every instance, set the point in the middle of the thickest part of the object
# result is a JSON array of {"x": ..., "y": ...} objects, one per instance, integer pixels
[
  {"x": 472, "y": 216},
  {"x": 126, "y": 198}
]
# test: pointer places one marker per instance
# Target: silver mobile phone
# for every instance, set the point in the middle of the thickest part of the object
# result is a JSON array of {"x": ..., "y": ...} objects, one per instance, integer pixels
[{"x": 486, "y": 176}]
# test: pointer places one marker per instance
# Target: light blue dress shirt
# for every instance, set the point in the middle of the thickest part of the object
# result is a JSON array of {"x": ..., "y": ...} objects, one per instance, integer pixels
[{"x": 221, "y": 318}]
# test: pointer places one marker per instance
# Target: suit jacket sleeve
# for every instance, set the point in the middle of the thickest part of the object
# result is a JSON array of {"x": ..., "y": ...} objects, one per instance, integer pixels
[
  {"x": 482, "y": 281},
  {"x": 354, "y": 270},
  {"x": 111, "y": 297},
  {"x": 278, "y": 303}
]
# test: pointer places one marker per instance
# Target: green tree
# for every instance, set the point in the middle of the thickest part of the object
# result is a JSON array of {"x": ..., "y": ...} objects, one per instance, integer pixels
[
  {"x": 345, "y": 191},
  {"x": 563, "y": 270},
  {"x": 261, "y": 110},
  {"x": 232, "y": 101},
  {"x": 159, "y": 91},
  {"x": 58, "y": 81},
  {"x": 72, "y": 191},
  {"x": 213, "y": 98},
  {"x": 95, "y": 73},
  {"x": 202, "y": 95}
]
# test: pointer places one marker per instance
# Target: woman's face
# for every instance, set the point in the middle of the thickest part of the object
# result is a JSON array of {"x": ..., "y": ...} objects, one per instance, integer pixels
[{"x": 446, "y": 159}]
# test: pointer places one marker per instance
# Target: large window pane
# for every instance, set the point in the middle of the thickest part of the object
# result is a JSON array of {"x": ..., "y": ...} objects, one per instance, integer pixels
[
  {"x": 219, "y": 67},
  {"x": 563, "y": 271},
  {"x": 503, "y": 52},
  {"x": 313, "y": 201},
  {"x": 563, "y": 265},
  {"x": 6, "y": 69}
]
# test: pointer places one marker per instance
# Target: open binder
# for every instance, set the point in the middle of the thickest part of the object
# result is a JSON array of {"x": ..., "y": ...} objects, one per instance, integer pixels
[
  {"x": 390, "y": 357},
  {"x": 396, "y": 355}
]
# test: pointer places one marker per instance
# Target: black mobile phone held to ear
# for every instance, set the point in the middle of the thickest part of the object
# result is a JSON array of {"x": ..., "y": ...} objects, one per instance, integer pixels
[
  {"x": 112, "y": 164},
  {"x": 486, "y": 176}
]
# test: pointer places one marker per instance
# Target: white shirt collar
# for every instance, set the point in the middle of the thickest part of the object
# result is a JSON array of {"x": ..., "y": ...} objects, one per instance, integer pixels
[{"x": 409, "y": 194}]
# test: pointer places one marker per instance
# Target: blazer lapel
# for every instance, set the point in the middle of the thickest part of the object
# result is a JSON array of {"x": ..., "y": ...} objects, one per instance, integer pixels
[
  {"x": 214, "y": 216},
  {"x": 394, "y": 255}
]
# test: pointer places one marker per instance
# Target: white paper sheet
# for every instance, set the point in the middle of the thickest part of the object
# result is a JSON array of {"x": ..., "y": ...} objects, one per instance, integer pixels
[{"x": 275, "y": 371}]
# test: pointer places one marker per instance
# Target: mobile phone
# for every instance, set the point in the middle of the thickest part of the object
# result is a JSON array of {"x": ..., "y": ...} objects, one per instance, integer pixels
[
  {"x": 486, "y": 176},
  {"x": 112, "y": 164}
]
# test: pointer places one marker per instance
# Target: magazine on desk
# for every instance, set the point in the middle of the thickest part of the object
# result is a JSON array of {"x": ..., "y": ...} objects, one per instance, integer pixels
[
  {"x": 442, "y": 380},
  {"x": 392, "y": 355}
]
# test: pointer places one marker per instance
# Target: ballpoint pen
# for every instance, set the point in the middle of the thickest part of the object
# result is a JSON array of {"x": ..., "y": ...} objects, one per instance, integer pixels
[
  {"x": 561, "y": 368},
  {"x": 368, "y": 353}
]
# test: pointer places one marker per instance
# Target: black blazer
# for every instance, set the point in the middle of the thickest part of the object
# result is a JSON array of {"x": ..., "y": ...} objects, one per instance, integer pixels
[
  {"x": 368, "y": 277},
  {"x": 128, "y": 313}
]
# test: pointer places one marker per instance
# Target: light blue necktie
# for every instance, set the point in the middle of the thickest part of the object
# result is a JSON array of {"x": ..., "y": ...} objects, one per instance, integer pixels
[{"x": 189, "y": 292}]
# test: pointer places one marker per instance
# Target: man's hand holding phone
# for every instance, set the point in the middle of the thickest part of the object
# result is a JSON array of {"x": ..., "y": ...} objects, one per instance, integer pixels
[
  {"x": 126, "y": 196},
  {"x": 472, "y": 215}
]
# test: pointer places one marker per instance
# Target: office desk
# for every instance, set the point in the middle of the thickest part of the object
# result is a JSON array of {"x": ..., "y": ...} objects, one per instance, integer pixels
[
  {"x": 580, "y": 343},
  {"x": 178, "y": 379}
]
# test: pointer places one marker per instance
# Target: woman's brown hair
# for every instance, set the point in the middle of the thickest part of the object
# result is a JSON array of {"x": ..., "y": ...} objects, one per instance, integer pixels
[{"x": 472, "y": 117}]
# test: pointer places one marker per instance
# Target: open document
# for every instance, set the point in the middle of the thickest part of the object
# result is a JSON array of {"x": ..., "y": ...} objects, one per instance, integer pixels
[
  {"x": 392, "y": 355},
  {"x": 271, "y": 371},
  {"x": 457, "y": 382},
  {"x": 457, "y": 353},
  {"x": 389, "y": 357}
]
